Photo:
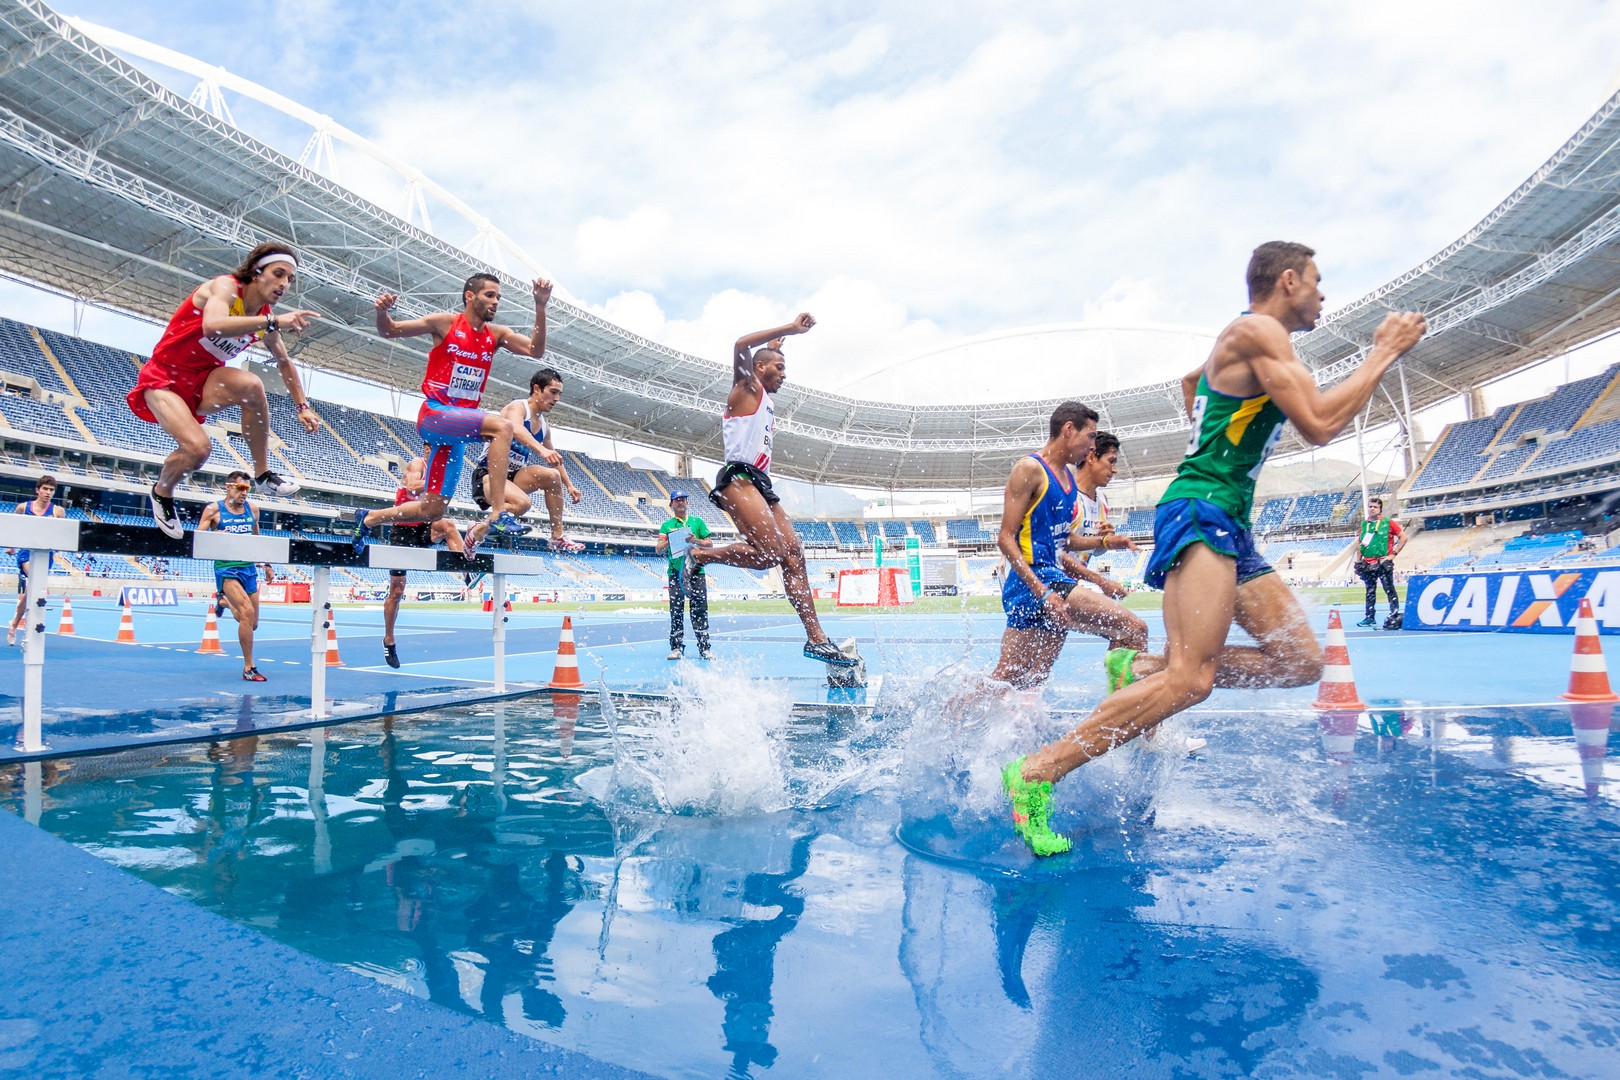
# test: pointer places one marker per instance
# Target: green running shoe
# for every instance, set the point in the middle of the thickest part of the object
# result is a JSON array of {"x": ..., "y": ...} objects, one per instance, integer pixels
[
  {"x": 1032, "y": 810},
  {"x": 1117, "y": 666}
]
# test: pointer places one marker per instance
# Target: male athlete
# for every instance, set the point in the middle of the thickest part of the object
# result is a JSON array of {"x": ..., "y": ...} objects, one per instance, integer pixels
[
  {"x": 39, "y": 506},
  {"x": 411, "y": 534},
  {"x": 534, "y": 464},
  {"x": 186, "y": 379},
  {"x": 237, "y": 582},
  {"x": 1204, "y": 556},
  {"x": 1041, "y": 525},
  {"x": 464, "y": 345},
  {"x": 743, "y": 487}
]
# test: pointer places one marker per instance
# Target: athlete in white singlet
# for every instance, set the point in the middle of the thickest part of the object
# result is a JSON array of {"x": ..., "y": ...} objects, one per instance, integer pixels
[{"x": 743, "y": 488}]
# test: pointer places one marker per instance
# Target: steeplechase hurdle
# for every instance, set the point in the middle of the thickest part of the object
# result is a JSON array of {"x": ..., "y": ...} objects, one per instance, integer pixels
[{"x": 72, "y": 535}]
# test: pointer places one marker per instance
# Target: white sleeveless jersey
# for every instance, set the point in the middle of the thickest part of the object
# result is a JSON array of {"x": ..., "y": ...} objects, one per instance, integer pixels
[
  {"x": 747, "y": 439},
  {"x": 1090, "y": 516},
  {"x": 520, "y": 453}
]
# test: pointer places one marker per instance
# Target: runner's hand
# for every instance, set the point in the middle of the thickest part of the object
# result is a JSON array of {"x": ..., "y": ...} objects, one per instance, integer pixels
[
  {"x": 542, "y": 292},
  {"x": 1119, "y": 542},
  {"x": 1399, "y": 333},
  {"x": 550, "y": 457},
  {"x": 386, "y": 301},
  {"x": 294, "y": 322},
  {"x": 574, "y": 493},
  {"x": 1113, "y": 589},
  {"x": 309, "y": 419},
  {"x": 1055, "y": 606},
  {"x": 803, "y": 322}
]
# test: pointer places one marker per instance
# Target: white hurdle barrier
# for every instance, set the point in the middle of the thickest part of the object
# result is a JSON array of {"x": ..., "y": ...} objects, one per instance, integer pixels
[{"x": 44, "y": 536}]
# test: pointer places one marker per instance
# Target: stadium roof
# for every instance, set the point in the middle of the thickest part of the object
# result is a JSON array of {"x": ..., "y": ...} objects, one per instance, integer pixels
[{"x": 123, "y": 194}]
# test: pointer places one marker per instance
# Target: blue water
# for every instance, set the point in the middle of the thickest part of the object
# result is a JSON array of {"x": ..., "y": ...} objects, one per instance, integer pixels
[{"x": 729, "y": 885}]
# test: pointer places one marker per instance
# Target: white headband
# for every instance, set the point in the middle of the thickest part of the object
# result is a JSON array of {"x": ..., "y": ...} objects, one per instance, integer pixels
[{"x": 275, "y": 257}]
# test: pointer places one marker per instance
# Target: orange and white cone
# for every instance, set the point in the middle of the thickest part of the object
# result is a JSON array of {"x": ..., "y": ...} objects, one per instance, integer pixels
[
  {"x": 331, "y": 641},
  {"x": 1338, "y": 687},
  {"x": 210, "y": 640},
  {"x": 1588, "y": 674},
  {"x": 565, "y": 707},
  {"x": 126, "y": 628},
  {"x": 489, "y": 602},
  {"x": 566, "y": 674},
  {"x": 66, "y": 625}
]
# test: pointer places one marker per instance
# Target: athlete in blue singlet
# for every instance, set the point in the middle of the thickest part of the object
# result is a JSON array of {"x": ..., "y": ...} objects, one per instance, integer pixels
[
  {"x": 1037, "y": 521},
  {"x": 39, "y": 506},
  {"x": 238, "y": 582},
  {"x": 534, "y": 465}
]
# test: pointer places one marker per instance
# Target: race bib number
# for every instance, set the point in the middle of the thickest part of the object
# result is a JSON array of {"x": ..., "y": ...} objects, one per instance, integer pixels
[
  {"x": 225, "y": 349},
  {"x": 466, "y": 382}
]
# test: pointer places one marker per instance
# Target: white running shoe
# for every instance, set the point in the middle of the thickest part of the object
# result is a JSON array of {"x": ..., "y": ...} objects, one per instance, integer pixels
[
  {"x": 166, "y": 515},
  {"x": 272, "y": 483}
]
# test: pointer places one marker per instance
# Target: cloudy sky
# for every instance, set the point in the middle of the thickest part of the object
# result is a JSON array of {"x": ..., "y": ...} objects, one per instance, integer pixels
[{"x": 915, "y": 174}]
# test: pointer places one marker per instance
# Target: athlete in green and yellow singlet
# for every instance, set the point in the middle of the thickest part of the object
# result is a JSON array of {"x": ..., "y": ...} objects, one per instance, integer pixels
[{"x": 1203, "y": 553}]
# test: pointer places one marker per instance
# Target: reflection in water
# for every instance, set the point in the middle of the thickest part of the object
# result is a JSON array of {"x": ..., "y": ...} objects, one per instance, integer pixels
[{"x": 1275, "y": 914}]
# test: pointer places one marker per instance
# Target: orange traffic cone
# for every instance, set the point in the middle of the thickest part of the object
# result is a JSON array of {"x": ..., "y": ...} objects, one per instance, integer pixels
[
  {"x": 210, "y": 641},
  {"x": 489, "y": 602},
  {"x": 1588, "y": 675},
  {"x": 332, "y": 659},
  {"x": 565, "y": 707},
  {"x": 126, "y": 628},
  {"x": 566, "y": 674},
  {"x": 66, "y": 625},
  {"x": 1338, "y": 687}
]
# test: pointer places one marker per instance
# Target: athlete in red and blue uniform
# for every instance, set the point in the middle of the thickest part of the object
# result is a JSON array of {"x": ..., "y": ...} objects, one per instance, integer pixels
[{"x": 464, "y": 345}]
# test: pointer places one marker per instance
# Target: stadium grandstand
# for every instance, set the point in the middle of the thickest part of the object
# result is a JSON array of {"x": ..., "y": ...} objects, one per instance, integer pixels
[{"x": 123, "y": 194}]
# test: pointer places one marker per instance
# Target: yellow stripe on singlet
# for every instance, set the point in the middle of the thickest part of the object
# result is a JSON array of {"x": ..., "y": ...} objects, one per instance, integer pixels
[
  {"x": 1024, "y": 531},
  {"x": 1241, "y": 418}
]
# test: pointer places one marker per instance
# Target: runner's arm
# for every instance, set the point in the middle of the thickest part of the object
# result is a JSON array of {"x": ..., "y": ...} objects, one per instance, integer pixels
[
  {"x": 519, "y": 416},
  {"x": 289, "y": 377},
  {"x": 1320, "y": 415},
  {"x": 1023, "y": 488},
  {"x": 1189, "y": 387},
  {"x": 534, "y": 344},
  {"x": 209, "y": 519},
  {"x": 437, "y": 324}
]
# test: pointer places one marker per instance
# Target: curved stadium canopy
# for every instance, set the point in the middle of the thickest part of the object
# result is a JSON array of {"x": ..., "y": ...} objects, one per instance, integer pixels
[{"x": 121, "y": 193}]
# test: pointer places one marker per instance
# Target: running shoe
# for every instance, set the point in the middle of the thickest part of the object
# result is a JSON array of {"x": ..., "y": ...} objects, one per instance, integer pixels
[
  {"x": 165, "y": 514},
  {"x": 390, "y": 655},
  {"x": 272, "y": 483},
  {"x": 219, "y": 609},
  {"x": 474, "y": 537},
  {"x": 11, "y": 636},
  {"x": 1032, "y": 810},
  {"x": 507, "y": 525},
  {"x": 705, "y": 654},
  {"x": 253, "y": 674},
  {"x": 829, "y": 654},
  {"x": 361, "y": 530},
  {"x": 1117, "y": 665},
  {"x": 676, "y": 654},
  {"x": 1368, "y": 621},
  {"x": 566, "y": 546}
]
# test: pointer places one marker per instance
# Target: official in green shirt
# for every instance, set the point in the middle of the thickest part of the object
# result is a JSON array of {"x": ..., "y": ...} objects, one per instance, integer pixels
[
  {"x": 697, "y": 590},
  {"x": 1379, "y": 542}
]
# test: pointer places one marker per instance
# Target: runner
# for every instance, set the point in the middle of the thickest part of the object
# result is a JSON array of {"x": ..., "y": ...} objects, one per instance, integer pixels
[
  {"x": 411, "y": 534},
  {"x": 1204, "y": 556},
  {"x": 531, "y": 438},
  {"x": 464, "y": 345},
  {"x": 237, "y": 582},
  {"x": 40, "y": 506},
  {"x": 743, "y": 487},
  {"x": 186, "y": 380}
]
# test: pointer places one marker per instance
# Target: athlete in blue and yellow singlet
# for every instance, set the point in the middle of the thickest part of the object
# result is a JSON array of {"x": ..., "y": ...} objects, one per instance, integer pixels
[
  {"x": 1043, "y": 533},
  {"x": 237, "y": 581}
]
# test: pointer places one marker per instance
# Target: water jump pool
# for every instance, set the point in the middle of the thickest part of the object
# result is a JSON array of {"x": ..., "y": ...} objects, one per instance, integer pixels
[{"x": 731, "y": 881}]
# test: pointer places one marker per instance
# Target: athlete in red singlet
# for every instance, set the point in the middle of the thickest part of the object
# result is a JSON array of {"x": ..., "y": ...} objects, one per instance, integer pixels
[
  {"x": 464, "y": 345},
  {"x": 187, "y": 378}
]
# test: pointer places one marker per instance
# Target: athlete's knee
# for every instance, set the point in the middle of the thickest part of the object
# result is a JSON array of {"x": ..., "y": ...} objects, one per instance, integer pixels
[
  {"x": 498, "y": 428},
  {"x": 194, "y": 446},
  {"x": 1132, "y": 633},
  {"x": 1190, "y": 683}
]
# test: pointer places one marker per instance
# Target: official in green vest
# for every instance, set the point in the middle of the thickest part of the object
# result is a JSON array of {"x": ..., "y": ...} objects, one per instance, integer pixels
[
  {"x": 1379, "y": 542},
  {"x": 696, "y": 533}
]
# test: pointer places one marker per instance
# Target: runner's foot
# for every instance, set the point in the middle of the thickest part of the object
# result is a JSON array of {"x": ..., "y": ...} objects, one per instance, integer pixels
[
  {"x": 361, "y": 530},
  {"x": 829, "y": 654},
  {"x": 676, "y": 654},
  {"x": 390, "y": 654},
  {"x": 273, "y": 483},
  {"x": 1032, "y": 810},
  {"x": 566, "y": 546},
  {"x": 252, "y": 674},
  {"x": 1118, "y": 666},
  {"x": 508, "y": 525},
  {"x": 705, "y": 654},
  {"x": 166, "y": 515}
]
